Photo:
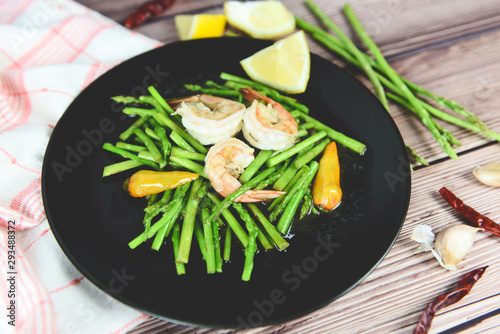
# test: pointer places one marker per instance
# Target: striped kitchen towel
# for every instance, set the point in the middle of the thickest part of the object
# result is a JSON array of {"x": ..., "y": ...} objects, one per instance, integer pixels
[{"x": 49, "y": 51}]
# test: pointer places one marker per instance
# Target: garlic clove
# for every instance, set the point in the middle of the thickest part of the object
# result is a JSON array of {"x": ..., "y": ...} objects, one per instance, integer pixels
[
  {"x": 423, "y": 235},
  {"x": 488, "y": 174},
  {"x": 453, "y": 243}
]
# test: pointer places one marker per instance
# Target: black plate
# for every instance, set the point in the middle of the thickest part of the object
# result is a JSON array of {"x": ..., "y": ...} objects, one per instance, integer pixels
[{"x": 93, "y": 219}]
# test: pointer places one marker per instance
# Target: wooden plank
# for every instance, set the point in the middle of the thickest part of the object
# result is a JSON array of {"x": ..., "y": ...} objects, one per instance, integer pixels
[
  {"x": 401, "y": 26},
  {"x": 397, "y": 26},
  {"x": 120, "y": 12},
  {"x": 475, "y": 86}
]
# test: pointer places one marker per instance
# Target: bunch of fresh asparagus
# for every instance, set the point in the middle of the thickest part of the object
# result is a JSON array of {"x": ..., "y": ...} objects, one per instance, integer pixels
[
  {"x": 158, "y": 140},
  {"x": 400, "y": 90}
]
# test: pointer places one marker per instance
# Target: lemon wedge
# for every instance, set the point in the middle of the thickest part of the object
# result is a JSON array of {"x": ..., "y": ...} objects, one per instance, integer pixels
[
  {"x": 285, "y": 65},
  {"x": 260, "y": 19},
  {"x": 200, "y": 26}
]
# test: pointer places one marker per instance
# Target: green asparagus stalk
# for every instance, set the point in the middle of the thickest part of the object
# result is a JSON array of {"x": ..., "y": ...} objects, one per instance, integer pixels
[
  {"x": 163, "y": 232},
  {"x": 126, "y": 99},
  {"x": 161, "y": 101},
  {"x": 189, "y": 164},
  {"x": 273, "y": 177},
  {"x": 166, "y": 121},
  {"x": 446, "y": 117},
  {"x": 270, "y": 229},
  {"x": 209, "y": 241},
  {"x": 245, "y": 216},
  {"x": 289, "y": 186},
  {"x": 272, "y": 93},
  {"x": 213, "y": 91},
  {"x": 162, "y": 221},
  {"x": 126, "y": 154},
  {"x": 150, "y": 146},
  {"x": 396, "y": 79},
  {"x": 189, "y": 221},
  {"x": 291, "y": 208},
  {"x": 336, "y": 136},
  {"x": 313, "y": 153},
  {"x": 349, "y": 45},
  {"x": 130, "y": 147},
  {"x": 231, "y": 220},
  {"x": 183, "y": 154},
  {"x": 289, "y": 152},
  {"x": 151, "y": 134},
  {"x": 227, "y": 244},
  {"x": 165, "y": 199},
  {"x": 166, "y": 146},
  {"x": 176, "y": 235},
  {"x": 120, "y": 167},
  {"x": 302, "y": 182},
  {"x": 445, "y": 138},
  {"x": 217, "y": 248},
  {"x": 255, "y": 165},
  {"x": 224, "y": 204},
  {"x": 307, "y": 205},
  {"x": 130, "y": 130},
  {"x": 250, "y": 251},
  {"x": 198, "y": 233},
  {"x": 139, "y": 111},
  {"x": 181, "y": 142},
  {"x": 291, "y": 171}
]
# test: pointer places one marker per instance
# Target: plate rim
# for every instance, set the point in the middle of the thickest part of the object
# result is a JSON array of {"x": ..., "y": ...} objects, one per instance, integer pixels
[{"x": 75, "y": 262}]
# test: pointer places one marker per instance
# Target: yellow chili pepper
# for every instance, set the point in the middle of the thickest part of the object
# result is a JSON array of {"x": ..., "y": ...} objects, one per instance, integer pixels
[
  {"x": 326, "y": 189},
  {"x": 148, "y": 182}
]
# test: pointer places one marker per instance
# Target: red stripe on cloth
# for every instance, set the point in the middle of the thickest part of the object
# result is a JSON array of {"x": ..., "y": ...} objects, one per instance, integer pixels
[
  {"x": 17, "y": 109},
  {"x": 32, "y": 287},
  {"x": 7, "y": 212},
  {"x": 14, "y": 161},
  {"x": 73, "y": 282},
  {"x": 32, "y": 208},
  {"x": 10, "y": 58},
  {"x": 33, "y": 187},
  {"x": 45, "y": 45},
  {"x": 43, "y": 90},
  {"x": 57, "y": 52},
  {"x": 38, "y": 238},
  {"x": 80, "y": 41},
  {"x": 29, "y": 203},
  {"x": 91, "y": 74},
  {"x": 21, "y": 9},
  {"x": 127, "y": 326}
]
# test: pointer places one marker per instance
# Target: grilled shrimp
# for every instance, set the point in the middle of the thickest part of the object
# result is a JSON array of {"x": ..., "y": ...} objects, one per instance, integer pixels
[
  {"x": 267, "y": 126},
  {"x": 210, "y": 119},
  {"x": 225, "y": 162}
]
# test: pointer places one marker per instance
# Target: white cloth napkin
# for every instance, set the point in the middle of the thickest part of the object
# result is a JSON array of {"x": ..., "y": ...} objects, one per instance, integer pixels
[{"x": 49, "y": 51}]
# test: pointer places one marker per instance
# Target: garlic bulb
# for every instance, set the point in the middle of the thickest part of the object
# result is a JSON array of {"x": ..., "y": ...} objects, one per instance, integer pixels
[
  {"x": 453, "y": 243},
  {"x": 450, "y": 246},
  {"x": 488, "y": 174}
]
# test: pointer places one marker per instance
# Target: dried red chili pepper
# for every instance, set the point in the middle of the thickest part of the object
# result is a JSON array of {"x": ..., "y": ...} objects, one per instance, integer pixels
[
  {"x": 461, "y": 290},
  {"x": 146, "y": 11},
  {"x": 475, "y": 217}
]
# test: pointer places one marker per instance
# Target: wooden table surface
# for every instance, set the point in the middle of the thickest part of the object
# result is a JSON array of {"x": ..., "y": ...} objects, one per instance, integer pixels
[{"x": 450, "y": 47}]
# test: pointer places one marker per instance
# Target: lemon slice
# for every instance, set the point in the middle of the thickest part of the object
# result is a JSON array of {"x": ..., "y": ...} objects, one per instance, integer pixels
[
  {"x": 260, "y": 19},
  {"x": 285, "y": 65},
  {"x": 200, "y": 26}
]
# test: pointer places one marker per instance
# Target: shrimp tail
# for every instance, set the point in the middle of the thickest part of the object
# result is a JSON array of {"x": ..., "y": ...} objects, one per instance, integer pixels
[
  {"x": 177, "y": 103},
  {"x": 252, "y": 196},
  {"x": 250, "y": 95}
]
